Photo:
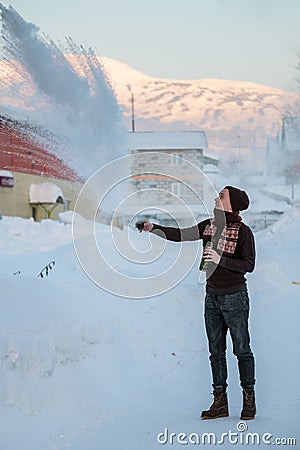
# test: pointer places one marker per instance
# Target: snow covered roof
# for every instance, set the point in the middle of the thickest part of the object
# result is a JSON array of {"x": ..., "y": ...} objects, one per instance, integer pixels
[
  {"x": 210, "y": 168},
  {"x": 45, "y": 193},
  {"x": 167, "y": 140},
  {"x": 6, "y": 173}
]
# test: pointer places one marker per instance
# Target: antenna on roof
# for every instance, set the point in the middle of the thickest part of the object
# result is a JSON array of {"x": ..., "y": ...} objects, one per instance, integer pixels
[
  {"x": 132, "y": 109},
  {"x": 132, "y": 113}
]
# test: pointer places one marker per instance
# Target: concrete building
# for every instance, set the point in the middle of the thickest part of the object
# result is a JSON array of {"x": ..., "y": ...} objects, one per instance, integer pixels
[{"x": 168, "y": 169}]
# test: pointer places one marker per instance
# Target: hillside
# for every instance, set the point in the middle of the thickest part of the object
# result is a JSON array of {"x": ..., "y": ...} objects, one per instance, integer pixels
[{"x": 223, "y": 108}]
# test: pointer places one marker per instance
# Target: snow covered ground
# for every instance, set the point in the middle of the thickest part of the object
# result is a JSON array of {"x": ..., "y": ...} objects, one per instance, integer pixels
[{"x": 81, "y": 368}]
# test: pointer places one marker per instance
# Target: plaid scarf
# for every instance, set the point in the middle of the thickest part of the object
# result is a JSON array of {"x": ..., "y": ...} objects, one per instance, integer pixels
[{"x": 228, "y": 239}]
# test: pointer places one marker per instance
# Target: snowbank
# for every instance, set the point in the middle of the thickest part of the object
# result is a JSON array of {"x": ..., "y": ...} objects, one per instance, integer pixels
[{"x": 83, "y": 369}]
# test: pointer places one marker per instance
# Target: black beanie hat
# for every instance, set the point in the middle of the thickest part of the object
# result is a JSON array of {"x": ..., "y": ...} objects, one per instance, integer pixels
[{"x": 239, "y": 199}]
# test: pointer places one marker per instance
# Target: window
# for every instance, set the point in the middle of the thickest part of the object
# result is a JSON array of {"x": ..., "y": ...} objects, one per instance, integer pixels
[
  {"x": 177, "y": 189},
  {"x": 6, "y": 178},
  {"x": 177, "y": 159}
]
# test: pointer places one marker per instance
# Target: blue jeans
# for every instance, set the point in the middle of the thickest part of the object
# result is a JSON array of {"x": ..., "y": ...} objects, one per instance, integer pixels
[{"x": 223, "y": 312}]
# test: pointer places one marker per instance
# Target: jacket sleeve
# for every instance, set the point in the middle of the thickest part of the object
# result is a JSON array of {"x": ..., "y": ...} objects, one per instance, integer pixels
[
  {"x": 193, "y": 233},
  {"x": 245, "y": 262}
]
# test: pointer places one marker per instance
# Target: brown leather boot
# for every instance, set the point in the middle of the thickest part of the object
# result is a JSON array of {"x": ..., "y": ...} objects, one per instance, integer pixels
[
  {"x": 219, "y": 407},
  {"x": 249, "y": 407}
]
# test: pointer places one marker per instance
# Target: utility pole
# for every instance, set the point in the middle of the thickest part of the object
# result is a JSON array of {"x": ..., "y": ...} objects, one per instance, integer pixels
[
  {"x": 132, "y": 113},
  {"x": 132, "y": 108},
  {"x": 293, "y": 176},
  {"x": 239, "y": 157}
]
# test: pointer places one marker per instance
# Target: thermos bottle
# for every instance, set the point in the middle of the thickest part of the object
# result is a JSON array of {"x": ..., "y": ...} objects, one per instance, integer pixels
[{"x": 204, "y": 264}]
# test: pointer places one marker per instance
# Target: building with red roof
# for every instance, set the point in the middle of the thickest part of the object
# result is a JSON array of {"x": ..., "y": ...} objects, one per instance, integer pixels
[{"x": 25, "y": 159}]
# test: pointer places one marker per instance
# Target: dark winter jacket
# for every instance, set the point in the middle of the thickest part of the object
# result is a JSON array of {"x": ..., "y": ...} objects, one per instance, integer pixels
[{"x": 229, "y": 276}]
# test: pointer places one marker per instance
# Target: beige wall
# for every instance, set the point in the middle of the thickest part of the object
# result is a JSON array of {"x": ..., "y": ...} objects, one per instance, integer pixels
[{"x": 14, "y": 201}]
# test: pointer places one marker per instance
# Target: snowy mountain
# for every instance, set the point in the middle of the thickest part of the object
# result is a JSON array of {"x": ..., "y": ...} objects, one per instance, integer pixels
[
  {"x": 232, "y": 113},
  {"x": 223, "y": 108}
]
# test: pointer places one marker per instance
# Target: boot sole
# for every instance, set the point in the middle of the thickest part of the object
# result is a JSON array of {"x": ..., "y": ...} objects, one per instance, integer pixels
[
  {"x": 246, "y": 418},
  {"x": 215, "y": 417}
]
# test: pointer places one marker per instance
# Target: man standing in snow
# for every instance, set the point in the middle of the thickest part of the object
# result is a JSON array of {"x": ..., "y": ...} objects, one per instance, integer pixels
[{"x": 226, "y": 302}]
